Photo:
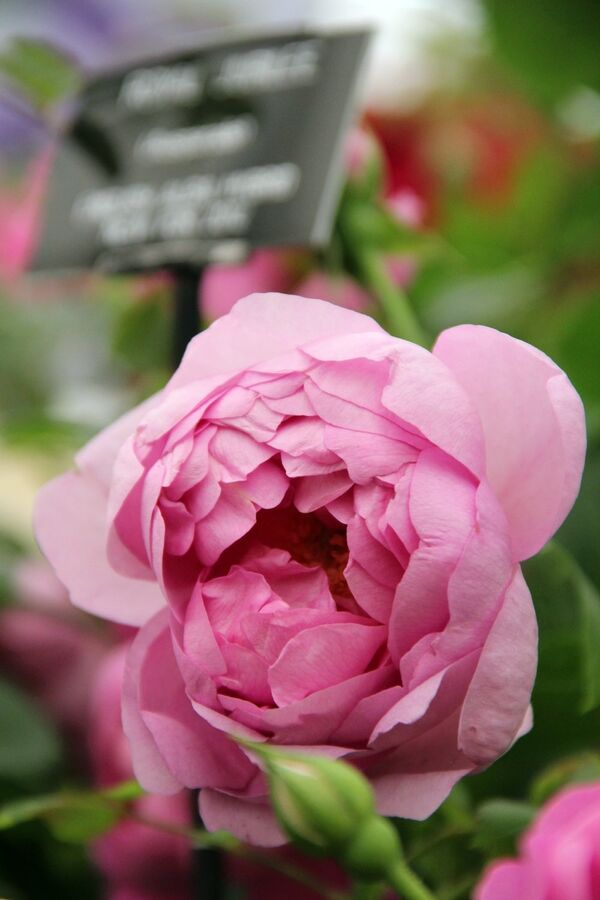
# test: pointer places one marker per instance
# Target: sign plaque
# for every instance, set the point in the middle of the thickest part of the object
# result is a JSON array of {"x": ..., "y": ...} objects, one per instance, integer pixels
[{"x": 187, "y": 159}]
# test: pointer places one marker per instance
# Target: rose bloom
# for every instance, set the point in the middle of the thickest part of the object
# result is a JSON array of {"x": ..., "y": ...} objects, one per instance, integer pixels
[
  {"x": 318, "y": 528},
  {"x": 560, "y": 853}
]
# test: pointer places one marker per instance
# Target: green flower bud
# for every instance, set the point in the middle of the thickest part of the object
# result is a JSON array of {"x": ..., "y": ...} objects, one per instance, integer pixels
[
  {"x": 319, "y": 802},
  {"x": 373, "y": 850}
]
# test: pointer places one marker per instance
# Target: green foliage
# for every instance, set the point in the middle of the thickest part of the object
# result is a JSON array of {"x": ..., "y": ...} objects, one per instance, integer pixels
[
  {"x": 73, "y": 816},
  {"x": 499, "y": 824},
  {"x": 41, "y": 73},
  {"x": 573, "y": 770},
  {"x": 82, "y": 819},
  {"x": 141, "y": 334},
  {"x": 551, "y": 46},
  {"x": 29, "y": 744},
  {"x": 566, "y": 693}
]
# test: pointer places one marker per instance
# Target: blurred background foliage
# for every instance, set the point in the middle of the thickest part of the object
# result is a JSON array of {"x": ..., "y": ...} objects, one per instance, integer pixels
[{"x": 483, "y": 188}]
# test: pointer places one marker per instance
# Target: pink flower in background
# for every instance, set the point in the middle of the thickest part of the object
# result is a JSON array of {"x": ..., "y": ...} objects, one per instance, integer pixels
[
  {"x": 19, "y": 218},
  {"x": 341, "y": 290},
  {"x": 361, "y": 150},
  {"x": 318, "y": 527},
  {"x": 139, "y": 862},
  {"x": 264, "y": 270},
  {"x": 48, "y": 648},
  {"x": 37, "y": 587},
  {"x": 559, "y": 855},
  {"x": 259, "y": 882},
  {"x": 407, "y": 207}
]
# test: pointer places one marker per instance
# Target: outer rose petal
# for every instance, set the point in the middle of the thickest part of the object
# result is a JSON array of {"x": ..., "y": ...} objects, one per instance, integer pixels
[
  {"x": 415, "y": 795},
  {"x": 501, "y": 881},
  {"x": 71, "y": 531},
  {"x": 261, "y": 326},
  {"x": 98, "y": 456},
  {"x": 251, "y": 822},
  {"x": 165, "y": 733},
  {"x": 148, "y": 764},
  {"x": 498, "y": 696},
  {"x": 533, "y": 424}
]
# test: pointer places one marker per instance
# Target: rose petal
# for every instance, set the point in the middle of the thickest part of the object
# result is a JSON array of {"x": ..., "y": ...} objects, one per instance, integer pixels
[
  {"x": 249, "y": 821},
  {"x": 502, "y": 880},
  {"x": 71, "y": 530},
  {"x": 195, "y": 753},
  {"x": 424, "y": 395},
  {"x": 258, "y": 324},
  {"x": 533, "y": 423},
  {"x": 499, "y": 693},
  {"x": 148, "y": 763},
  {"x": 320, "y": 657},
  {"x": 232, "y": 517}
]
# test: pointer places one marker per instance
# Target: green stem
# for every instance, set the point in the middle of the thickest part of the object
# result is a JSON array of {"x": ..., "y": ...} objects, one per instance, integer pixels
[
  {"x": 400, "y": 318},
  {"x": 366, "y": 891},
  {"x": 408, "y": 885}
]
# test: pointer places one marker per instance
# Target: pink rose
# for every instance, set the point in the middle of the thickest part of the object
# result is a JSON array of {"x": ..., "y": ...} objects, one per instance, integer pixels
[
  {"x": 318, "y": 527},
  {"x": 560, "y": 854}
]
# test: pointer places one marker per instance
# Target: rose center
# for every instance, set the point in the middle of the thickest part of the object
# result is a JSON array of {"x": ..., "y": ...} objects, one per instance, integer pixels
[{"x": 310, "y": 539}]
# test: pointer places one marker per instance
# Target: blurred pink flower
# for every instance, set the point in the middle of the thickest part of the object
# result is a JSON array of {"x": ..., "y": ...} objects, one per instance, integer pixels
[
  {"x": 138, "y": 861},
  {"x": 108, "y": 747},
  {"x": 264, "y": 270},
  {"x": 339, "y": 289},
  {"x": 407, "y": 207},
  {"x": 20, "y": 210},
  {"x": 37, "y": 587},
  {"x": 559, "y": 854},
  {"x": 51, "y": 649},
  {"x": 262, "y": 883},
  {"x": 361, "y": 150}
]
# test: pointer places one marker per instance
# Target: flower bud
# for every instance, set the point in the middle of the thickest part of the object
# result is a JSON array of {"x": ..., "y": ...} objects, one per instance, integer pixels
[
  {"x": 364, "y": 162},
  {"x": 373, "y": 849},
  {"x": 319, "y": 802}
]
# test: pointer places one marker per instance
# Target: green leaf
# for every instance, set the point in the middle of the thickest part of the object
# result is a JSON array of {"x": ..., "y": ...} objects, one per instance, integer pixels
[
  {"x": 124, "y": 792},
  {"x": 29, "y": 744},
  {"x": 42, "y": 74},
  {"x": 73, "y": 816},
  {"x": 574, "y": 770},
  {"x": 19, "y": 811},
  {"x": 551, "y": 46},
  {"x": 499, "y": 824},
  {"x": 589, "y": 600},
  {"x": 582, "y": 594},
  {"x": 83, "y": 818},
  {"x": 564, "y": 720}
]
